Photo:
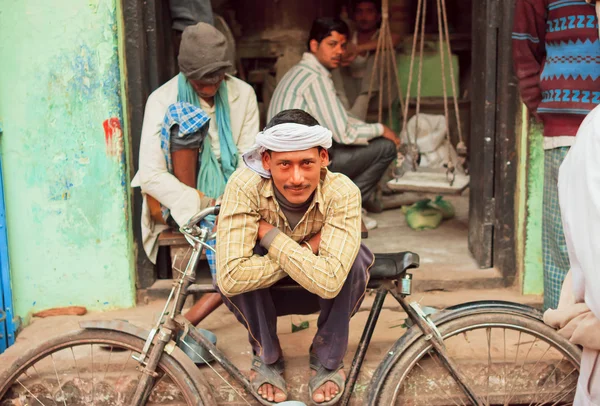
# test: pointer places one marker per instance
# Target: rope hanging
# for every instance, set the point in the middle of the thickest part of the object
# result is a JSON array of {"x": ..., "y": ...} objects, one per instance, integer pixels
[
  {"x": 385, "y": 52},
  {"x": 385, "y": 60}
]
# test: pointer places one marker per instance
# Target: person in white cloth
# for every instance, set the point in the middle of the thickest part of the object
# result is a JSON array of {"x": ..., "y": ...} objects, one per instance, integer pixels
[
  {"x": 287, "y": 216},
  {"x": 578, "y": 314}
]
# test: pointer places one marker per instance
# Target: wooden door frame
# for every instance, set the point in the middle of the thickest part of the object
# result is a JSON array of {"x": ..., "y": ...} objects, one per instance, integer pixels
[{"x": 493, "y": 142}]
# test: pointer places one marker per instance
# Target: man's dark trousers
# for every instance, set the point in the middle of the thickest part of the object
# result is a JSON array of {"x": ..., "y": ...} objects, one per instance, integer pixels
[
  {"x": 258, "y": 311},
  {"x": 364, "y": 164}
]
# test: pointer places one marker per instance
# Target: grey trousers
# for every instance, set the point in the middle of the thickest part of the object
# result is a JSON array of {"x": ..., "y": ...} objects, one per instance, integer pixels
[
  {"x": 365, "y": 165},
  {"x": 258, "y": 311}
]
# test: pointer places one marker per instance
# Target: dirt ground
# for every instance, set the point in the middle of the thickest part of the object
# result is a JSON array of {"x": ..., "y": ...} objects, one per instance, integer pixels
[{"x": 232, "y": 337}]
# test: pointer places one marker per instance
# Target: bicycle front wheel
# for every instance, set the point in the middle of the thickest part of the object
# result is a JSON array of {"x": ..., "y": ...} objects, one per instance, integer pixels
[
  {"x": 506, "y": 359},
  {"x": 92, "y": 367}
]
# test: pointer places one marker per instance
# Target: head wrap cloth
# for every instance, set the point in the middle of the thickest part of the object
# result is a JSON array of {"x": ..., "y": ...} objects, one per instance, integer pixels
[{"x": 285, "y": 137}]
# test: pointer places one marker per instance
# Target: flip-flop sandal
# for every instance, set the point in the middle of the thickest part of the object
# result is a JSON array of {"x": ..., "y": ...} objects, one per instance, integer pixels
[
  {"x": 322, "y": 376},
  {"x": 270, "y": 374}
]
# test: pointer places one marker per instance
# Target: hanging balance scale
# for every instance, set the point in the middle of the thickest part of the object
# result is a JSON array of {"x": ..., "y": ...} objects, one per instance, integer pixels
[{"x": 408, "y": 175}]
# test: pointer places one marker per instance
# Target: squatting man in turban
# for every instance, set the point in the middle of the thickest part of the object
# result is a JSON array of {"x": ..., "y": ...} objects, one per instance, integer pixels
[
  {"x": 287, "y": 216},
  {"x": 196, "y": 126}
]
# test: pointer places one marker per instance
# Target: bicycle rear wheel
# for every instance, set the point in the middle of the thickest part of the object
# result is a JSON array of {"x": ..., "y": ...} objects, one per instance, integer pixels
[
  {"x": 507, "y": 359},
  {"x": 92, "y": 367}
]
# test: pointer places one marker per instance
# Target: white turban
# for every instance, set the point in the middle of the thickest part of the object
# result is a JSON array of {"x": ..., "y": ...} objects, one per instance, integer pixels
[{"x": 285, "y": 137}]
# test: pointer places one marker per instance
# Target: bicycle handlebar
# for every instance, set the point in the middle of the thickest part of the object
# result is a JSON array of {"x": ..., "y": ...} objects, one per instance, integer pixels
[{"x": 202, "y": 214}]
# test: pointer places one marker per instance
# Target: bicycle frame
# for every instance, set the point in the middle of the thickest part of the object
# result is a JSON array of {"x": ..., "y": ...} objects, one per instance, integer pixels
[{"x": 167, "y": 327}]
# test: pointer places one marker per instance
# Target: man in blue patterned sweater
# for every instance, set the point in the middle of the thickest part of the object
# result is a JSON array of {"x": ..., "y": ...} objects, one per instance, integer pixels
[{"x": 557, "y": 61}]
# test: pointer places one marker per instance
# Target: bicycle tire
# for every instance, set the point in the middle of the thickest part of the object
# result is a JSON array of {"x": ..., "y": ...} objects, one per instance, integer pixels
[
  {"x": 11, "y": 381},
  {"x": 405, "y": 383}
]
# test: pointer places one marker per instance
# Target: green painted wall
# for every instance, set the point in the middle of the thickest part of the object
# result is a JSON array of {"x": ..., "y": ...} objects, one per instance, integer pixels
[
  {"x": 66, "y": 177},
  {"x": 533, "y": 278}
]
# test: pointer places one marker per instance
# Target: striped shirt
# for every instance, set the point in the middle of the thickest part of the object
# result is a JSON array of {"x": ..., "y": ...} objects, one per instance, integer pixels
[
  {"x": 334, "y": 212},
  {"x": 308, "y": 86}
]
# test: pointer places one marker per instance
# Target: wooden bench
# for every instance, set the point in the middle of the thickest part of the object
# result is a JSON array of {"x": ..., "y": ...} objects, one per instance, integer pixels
[{"x": 179, "y": 253}]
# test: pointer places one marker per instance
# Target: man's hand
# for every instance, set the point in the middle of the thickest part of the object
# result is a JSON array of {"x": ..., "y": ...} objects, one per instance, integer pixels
[
  {"x": 314, "y": 243},
  {"x": 350, "y": 54},
  {"x": 390, "y": 135},
  {"x": 263, "y": 229}
]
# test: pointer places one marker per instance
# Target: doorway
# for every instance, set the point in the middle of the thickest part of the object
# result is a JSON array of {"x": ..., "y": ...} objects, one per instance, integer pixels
[{"x": 482, "y": 234}]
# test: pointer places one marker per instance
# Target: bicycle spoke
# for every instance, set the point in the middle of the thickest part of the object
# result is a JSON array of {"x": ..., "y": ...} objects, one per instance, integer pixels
[
  {"x": 515, "y": 374},
  {"x": 108, "y": 363},
  {"x": 543, "y": 388},
  {"x": 441, "y": 389},
  {"x": 558, "y": 385},
  {"x": 510, "y": 359},
  {"x": 523, "y": 365},
  {"x": 42, "y": 382},
  {"x": 470, "y": 346},
  {"x": 436, "y": 359},
  {"x": 93, "y": 386},
  {"x": 216, "y": 372},
  {"x": 75, "y": 361},
  {"x": 90, "y": 371},
  {"x": 504, "y": 375},
  {"x": 566, "y": 394},
  {"x": 534, "y": 369},
  {"x": 58, "y": 380},
  {"x": 125, "y": 364},
  {"x": 28, "y": 391},
  {"x": 488, "y": 334}
]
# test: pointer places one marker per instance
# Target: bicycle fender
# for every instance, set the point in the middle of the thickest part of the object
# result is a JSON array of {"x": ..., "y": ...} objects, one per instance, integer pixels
[
  {"x": 451, "y": 313},
  {"x": 122, "y": 326}
]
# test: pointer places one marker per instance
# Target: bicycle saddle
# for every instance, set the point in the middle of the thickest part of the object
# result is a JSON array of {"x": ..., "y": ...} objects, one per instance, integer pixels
[{"x": 391, "y": 266}]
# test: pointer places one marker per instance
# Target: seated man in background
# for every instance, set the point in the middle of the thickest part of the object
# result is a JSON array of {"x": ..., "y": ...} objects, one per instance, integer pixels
[
  {"x": 286, "y": 215},
  {"x": 196, "y": 126},
  {"x": 360, "y": 151},
  {"x": 353, "y": 78}
]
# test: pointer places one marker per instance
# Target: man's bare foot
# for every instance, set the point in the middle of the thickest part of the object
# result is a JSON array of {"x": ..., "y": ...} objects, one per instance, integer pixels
[
  {"x": 328, "y": 390},
  {"x": 269, "y": 392}
]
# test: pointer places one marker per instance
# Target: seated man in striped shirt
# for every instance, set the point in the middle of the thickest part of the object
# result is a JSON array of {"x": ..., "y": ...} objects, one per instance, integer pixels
[
  {"x": 287, "y": 216},
  {"x": 360, "y": 151}
]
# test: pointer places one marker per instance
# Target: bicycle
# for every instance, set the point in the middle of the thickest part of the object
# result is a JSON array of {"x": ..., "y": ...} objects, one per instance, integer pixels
[{"x": 434, "y": 362}]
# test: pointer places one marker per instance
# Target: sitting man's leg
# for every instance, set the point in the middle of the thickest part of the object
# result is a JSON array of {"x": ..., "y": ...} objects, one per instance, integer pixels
[
  {"x": 365, "y": 165},
  {"x": 184, "y": 154},
  {"x": 258, "y": 312},
  {"x": 331, "y": 341}
]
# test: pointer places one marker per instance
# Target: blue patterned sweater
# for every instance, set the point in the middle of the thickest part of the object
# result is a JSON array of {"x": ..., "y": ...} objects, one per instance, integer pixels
[{"x": 557, "y": 61}]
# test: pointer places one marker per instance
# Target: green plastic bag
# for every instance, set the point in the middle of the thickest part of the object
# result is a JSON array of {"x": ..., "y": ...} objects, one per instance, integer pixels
[
  {"x": 444, "y": 206},
  {"x": 422, "y": 216}
]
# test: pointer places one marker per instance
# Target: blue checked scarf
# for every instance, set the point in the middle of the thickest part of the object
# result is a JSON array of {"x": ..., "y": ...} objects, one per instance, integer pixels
[
  {"x": 190, "y": 119},
  {"x": 213, "y": 176}
]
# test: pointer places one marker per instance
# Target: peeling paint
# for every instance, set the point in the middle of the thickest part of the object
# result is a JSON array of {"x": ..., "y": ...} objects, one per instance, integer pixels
[
  {"x": 67, "y": 196},
  {"x": 113, "y": 137}
]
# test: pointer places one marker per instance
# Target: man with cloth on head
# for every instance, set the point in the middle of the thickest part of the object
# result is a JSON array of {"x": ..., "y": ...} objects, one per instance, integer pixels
[
  {"x": 287, "y": 216},
  {"x": 360, "y": 151},
  {"x": 196, "y": 126}
]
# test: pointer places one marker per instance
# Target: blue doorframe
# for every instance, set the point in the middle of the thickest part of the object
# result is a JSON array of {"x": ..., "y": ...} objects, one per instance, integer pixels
[{"x": 7, "y": 325}]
